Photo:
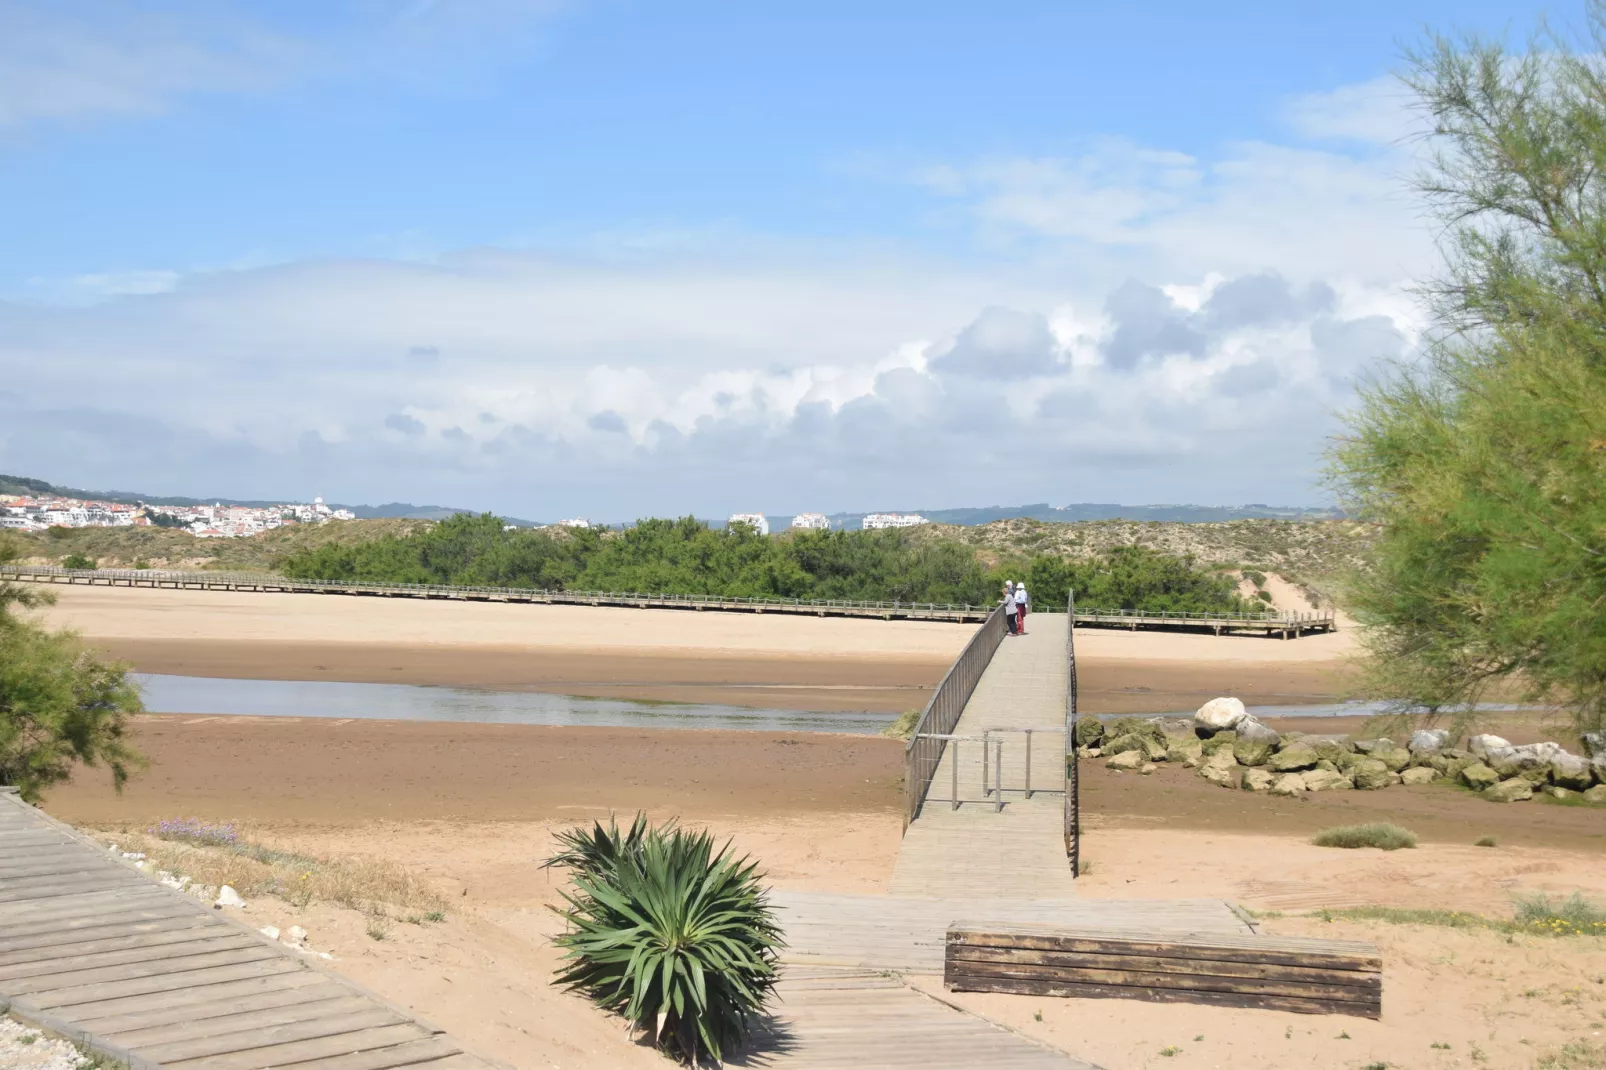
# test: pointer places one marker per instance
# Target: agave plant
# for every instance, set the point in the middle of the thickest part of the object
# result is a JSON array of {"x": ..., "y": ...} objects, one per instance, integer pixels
[{"x": 675, "y": 935}]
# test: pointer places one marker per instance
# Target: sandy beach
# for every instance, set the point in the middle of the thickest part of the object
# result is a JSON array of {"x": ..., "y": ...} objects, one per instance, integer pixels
[{"x": 472, "y": 809}]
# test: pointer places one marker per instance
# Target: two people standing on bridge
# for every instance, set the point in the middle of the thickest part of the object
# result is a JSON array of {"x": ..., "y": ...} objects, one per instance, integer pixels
[{"x": 1016, "y": 603}]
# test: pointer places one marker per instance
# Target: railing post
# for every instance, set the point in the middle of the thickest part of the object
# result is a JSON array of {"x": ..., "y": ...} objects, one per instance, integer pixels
[
  {"x": 998, "y": 779},
  {"x": 953, "y": 768},
  {"x": 1028, "y": 763}
]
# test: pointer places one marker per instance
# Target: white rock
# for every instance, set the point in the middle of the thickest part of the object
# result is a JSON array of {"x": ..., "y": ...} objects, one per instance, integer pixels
[
  {"x": 228, "y": 897},
  {"x": 134, "y": 856},
  {"x": 1288, "y": 784},
  {"x": 1428, "y": 741},
  {"x": 1483, "y": 744},
  {"x": 269, "y": 931},
  {"x": 297, "y": 935},
  {"x": 1220, "y": 714}
]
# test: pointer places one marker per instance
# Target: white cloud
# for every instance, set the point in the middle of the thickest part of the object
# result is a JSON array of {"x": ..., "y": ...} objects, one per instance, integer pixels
[{"x": 1153, "y": 326}]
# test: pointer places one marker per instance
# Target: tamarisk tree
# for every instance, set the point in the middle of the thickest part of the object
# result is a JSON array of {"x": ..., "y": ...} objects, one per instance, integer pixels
[
  {"x": 1485, "y": 461},
  {"x": 59, "y": 704}
]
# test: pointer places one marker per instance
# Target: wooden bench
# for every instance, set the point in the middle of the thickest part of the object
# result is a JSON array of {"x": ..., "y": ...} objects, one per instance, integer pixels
[{"x": 1268, "y": 972}]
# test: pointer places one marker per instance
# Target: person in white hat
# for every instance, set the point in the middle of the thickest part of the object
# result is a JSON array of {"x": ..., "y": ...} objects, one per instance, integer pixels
[{"x": 1022, "y": 604}]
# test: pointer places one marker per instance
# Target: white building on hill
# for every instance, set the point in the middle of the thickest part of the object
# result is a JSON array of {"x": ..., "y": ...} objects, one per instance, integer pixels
[
  {"x": 756, "y": 521},
  {"x": 811, "y": 522},
  {"x": 877, "y": 521}
]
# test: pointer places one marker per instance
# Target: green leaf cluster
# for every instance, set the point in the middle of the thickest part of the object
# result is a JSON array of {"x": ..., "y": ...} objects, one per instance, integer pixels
[
  {"x": 669, "y": 931},
  {"x": 1485, "y": 463},
  {"x": 59, "y": 705},
  {"x": 686, "y": 556}
]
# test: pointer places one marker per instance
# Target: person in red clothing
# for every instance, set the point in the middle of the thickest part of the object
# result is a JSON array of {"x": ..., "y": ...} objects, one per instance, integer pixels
[{"x": 1022, "y": 604}]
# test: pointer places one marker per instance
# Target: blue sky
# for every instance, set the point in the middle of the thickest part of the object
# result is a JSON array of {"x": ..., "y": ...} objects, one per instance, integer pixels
[{"x": 621, "y": 258}]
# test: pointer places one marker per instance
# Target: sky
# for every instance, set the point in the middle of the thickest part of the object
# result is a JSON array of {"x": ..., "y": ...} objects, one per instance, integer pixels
[{"x": 620, "y": 258}]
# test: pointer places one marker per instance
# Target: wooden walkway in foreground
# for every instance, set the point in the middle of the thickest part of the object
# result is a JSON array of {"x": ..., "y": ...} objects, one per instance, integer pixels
[
  {"x": 843, "y": 1002},
  {"x": 95, "y": 950}
]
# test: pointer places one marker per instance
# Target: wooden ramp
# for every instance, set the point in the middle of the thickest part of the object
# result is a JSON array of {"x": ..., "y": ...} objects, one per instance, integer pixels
[
  {"x": 978, "y": 851},
  {"x": 909, "y": 935},
  {"x": 839, "y": 1019},
  {"x": 93, "y": 949}
]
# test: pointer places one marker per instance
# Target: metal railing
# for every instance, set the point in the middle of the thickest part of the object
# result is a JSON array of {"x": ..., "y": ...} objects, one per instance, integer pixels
[
  {"x": 1073, "y": 799},
  {"x": 1026, "y": 781},
  {"x": 937, "y": 720},
  {"x": 1268, "y": 617},
  {"x": 989, "y": 792},
  {"x": 262, "y": 582}
]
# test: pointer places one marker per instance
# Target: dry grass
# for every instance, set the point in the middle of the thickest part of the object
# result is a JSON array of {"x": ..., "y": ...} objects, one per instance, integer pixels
[
  {"x": 1379, "y": 834},
  {"x": 1579, "y": 1055},
  {"x": 167, "y": 548},
  {"x": 376, "y": 887}
]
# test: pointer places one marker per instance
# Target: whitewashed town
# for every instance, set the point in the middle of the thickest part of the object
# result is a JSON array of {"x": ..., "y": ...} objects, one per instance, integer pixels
[{"x": 23, "y": 513}]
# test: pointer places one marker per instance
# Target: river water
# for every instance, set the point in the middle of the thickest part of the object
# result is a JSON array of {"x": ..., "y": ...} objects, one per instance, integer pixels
[{"x": 410, "y": 702}]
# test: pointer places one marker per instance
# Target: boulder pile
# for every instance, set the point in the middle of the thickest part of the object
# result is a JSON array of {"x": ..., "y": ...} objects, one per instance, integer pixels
[{"x": 1229, "y": 747}]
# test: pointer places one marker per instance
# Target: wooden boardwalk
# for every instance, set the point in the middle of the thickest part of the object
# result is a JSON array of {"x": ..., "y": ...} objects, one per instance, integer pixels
[
  {"x": 95, "y": 950},
  {"x": 843, "y": 1003}
]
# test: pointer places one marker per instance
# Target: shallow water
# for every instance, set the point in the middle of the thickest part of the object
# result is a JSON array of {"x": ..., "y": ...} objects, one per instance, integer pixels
[{"x": 411, "y": 702}]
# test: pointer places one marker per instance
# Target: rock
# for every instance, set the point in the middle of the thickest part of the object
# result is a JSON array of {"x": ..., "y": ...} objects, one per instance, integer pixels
[
  {"x": 1288, "y": 784},
  {"x": 1185, "y": 751},
  {"x": 1559, "y": 793},
  {"x": 1089, "y": 730},
  {"x": 1428, "y": 741},
  {"x": 1571, "y": 771},
  {"x": 1255, "y": 780},
  {"x": 1369, "y": 746},
  {"x": 1292, "y": 758},
  {"x": 1219, "y": 715},
  {"x": 1530, "y": 761},
  {"x": 1293, "y": 737},
  {"x": 1088, "y": 752},
  {"x": 1156, "y": 750},
  {"x": 1325, "y": 765},
  {"x": 228, "y": 897},
  {"x": 1220, "y": 768},
  {"x": 1479, "y": 776},
  {"x": 1516, "y": 789},
  {"x": 1147, "y": 767},
  {"x": 1149, "y": 727},
  {"x": 1452, "y": 767},
  {"x": 1481, "y": 744},
  {"x": 1255, "y": 742},
  {"x": 1219, "y": 741},
  {"x": 1396, "y": 758},
  {"x": 1326, "y": 780},
  {"x": 204, "y": 892},
  {"x": 1594, "y": 744},
  {"x": 1369, "y": 774},
  {"x": 1124, "y": 743},
  {"x": 296, "y": 936},
  {"x": 1421, "y": 774},
  {"x": 1330, "y": 748},
  {"x": 1127, "y": 760},
  {"x": 269, "y": 931},
  {"x": 1596, "y": 795}
]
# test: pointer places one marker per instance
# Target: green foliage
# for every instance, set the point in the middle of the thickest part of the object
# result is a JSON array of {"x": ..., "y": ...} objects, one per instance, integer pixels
[
  {"x": 904, "y": 726},
  {"x": 1379, "y": 834},
  {"x": 1572, "y": 914},
  {"x": 59, "y": 705},
  {"x": 675, "y": 935},
  {"x": 78, "y": 561},
  {"x": 1486, "y": 464},
  {"x": 686, "y": 556}
]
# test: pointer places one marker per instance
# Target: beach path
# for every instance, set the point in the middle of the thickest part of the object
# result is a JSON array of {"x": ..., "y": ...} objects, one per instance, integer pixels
[{"x": 95, "y": 950}]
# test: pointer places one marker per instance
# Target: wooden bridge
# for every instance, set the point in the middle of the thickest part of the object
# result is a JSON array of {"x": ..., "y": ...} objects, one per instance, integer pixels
[
  {"x": 998, "y": 850},
  {"x": 1282, "y": 625}
]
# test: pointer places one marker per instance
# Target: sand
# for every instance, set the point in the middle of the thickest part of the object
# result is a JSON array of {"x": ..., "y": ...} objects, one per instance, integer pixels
[
  {"x": 473, "y": 809},
  {"x": 772, "y": 661}
]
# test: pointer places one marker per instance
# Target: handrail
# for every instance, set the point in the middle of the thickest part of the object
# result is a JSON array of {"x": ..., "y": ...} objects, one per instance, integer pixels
[
  {"x": 260, "y": 580},
  {"x": 924, "y": 750},
  {"x": 1073, "y": 797}
]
